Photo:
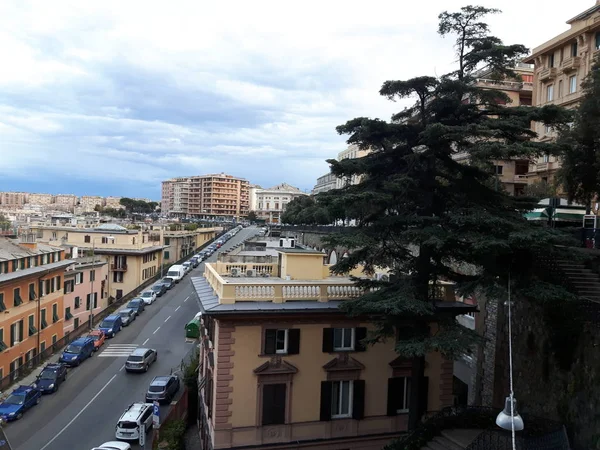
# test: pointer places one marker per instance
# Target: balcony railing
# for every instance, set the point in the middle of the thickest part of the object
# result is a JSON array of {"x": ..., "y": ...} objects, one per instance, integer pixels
[
  {"x": 547, "y": 74},
  {"x": 118, "y": 267},
  {"x": 520, "y": 179},
  {"x": 571, "y": 64},
  {"x": 505, "y": 84}
]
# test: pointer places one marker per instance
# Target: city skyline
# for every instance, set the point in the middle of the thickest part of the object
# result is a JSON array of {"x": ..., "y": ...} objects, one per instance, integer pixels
[{"x": 135, "y": 104}]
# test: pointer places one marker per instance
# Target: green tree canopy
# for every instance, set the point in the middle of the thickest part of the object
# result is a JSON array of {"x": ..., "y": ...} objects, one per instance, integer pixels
[
  {"x": 304, "y": 210},
  {"x": 428, "y": 217},
  {"x": 251, "y": 216},
  {"x": 580, "y": 170},
  {"x": 138, "y": 206}
]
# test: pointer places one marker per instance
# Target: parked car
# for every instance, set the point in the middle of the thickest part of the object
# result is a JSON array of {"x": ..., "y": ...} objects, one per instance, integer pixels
[
  {"x": 141, "y": 359},
  {"x": 168, "y": 282},
  {"x": 77, "y": 351},
  {"x": 99, "y": 337},
  {"x": 111, "y": 325},
  {"x": 127, "y": 316},
  {"x": 50, "y": 378},
  {"x": 187, "y": 266},
  {"x": 137, "y": 304},
  {"x": 114, "y": 445},
  {"x": 195, "y": 261},
  {"x": 21, "y": 399},
  {"x": 148, "y": 297},
  {"x": 136, "y": 419},
  {"x": 159, "y": 289},
  {"x": 163, "y": 389}
]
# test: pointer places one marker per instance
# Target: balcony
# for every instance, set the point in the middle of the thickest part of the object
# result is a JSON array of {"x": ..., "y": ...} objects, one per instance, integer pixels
[
  {"x": 547, "y": 74},
  {"x": 118, "y": 267},
  {"x": 520, "y": 179},
  {"x": 505, "y": 84},
  {"x": 571, "y": 64}
]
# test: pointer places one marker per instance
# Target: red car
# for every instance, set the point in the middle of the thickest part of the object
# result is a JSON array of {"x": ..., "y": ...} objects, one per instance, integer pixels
[{"x": 99, "y": 337}]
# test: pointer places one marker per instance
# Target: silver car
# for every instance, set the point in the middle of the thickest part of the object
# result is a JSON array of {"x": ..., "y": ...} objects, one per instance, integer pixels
[
  {"x": 127, "y": 316},
  {"x": 140, "y": 359}
]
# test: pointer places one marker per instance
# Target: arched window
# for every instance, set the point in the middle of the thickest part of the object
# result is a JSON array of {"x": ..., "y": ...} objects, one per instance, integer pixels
[{"x": 333, "y": 257}]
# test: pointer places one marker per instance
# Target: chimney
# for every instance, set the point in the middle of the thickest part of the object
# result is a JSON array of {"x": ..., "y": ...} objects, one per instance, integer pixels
[{"x": 28, "y": 240}]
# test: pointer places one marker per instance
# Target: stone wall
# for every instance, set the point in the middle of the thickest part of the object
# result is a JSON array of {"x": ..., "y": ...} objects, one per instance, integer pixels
[
  {"x": 570, "y": 395},
  {"x": 313, "y": 237}
]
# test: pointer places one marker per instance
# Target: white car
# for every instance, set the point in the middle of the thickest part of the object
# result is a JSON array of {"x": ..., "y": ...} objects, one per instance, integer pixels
[
  {"x": 149, "y": 297},
  {"x": 114, "y": 445}
]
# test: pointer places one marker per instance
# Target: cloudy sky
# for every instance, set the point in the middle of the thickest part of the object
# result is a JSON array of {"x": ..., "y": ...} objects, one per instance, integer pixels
[{"x": 112, "y": 97}]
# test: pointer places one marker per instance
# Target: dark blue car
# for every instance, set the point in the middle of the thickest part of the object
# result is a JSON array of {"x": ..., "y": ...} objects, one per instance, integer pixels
[
  {"x": 77, "y": 351},
  {"x": 50, "y": 378},
  {"x": 21, "y": 399}
]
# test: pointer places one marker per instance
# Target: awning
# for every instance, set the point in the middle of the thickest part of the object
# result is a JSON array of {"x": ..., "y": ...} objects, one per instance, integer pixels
[
  {"x": 569, "y": 215},
  {"x": 537, "y": 214}
]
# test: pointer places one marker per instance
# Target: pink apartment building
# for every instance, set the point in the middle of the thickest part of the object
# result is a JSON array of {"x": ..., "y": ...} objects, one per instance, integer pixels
[{"x": 78, "y": 285}]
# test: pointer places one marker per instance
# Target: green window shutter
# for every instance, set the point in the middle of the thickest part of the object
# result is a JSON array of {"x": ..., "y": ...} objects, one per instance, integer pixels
[
  {"x": 68, "y": 315},
  {"x": 43, "y": 323},
  {"x": 32, "y": 292},
  {"x": 54, "y": 313},
  {"x": 2, "y": 305},
  {"x": 17, "y": 296},
  {"x": 32, "y": 328}
]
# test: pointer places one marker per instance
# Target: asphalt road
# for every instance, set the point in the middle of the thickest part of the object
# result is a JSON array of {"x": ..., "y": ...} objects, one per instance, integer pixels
[{"x": 85, "y": 410}]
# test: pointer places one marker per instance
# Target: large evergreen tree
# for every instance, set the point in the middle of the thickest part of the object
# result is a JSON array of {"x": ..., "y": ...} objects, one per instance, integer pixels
[
  {"x": 580, "y": 171},
  {"x": 430, "y": 218}
]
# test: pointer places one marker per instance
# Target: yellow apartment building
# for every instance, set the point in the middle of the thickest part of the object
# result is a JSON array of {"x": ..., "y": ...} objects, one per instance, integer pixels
[
  {"x": 282, "y": 367},
  {"x": 560, "y": 66},
  {"x": 31, "y": 300},
  {"x": 181, "y": 243},
  {"x": 133, "y": 256}
]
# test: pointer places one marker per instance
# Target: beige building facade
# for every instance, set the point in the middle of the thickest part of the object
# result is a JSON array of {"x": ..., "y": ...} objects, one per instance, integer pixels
[
  {"x": 175, "y": 196},
  {"x": 40, "y": 199},
  {"x": 560, "y": 66},
  {"x": 13, "y": 199},
  {"x": 283, "y": 367},
  {"x": 325, "y": 183},
  {"x": 181, "y": 243},
  {"x": 352, "y": 152},
  {"x": 219, "y": 195},
  {"x": 89, "y": 202},
  {"x": 133, "y": 256},
  {"x": 271, "y": 202}
]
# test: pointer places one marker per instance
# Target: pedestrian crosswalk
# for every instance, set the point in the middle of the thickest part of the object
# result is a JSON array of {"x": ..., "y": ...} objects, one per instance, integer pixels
[{"x": 118, "y": 350}]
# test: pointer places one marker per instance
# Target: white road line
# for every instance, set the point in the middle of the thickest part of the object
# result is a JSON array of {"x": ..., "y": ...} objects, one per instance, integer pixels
[
  {"x": 186, "y": 299},
  {"x": 167, "y": 318},
  {"x": 79, "y": 413},
  {"x": 122, "y": 367},
  {"x": 146, "y": 341},
  {"x": 156, "y": 330},
  {"x": 177, "y": 307}
]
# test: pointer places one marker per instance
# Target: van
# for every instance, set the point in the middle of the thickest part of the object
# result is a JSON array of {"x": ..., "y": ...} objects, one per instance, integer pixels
[
  {"x": 176, "y": 272},
  {"x": 111, "y": 325},
  {"x": 136, "y": 419},
  {"x": 77, "y": 351}
]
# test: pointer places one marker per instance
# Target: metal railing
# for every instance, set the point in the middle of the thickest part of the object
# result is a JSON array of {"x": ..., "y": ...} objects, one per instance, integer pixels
[{"x": 539, "y": 434}]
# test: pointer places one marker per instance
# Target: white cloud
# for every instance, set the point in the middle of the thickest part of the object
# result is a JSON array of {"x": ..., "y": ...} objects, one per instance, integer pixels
[{"x": 140, "y": 90}]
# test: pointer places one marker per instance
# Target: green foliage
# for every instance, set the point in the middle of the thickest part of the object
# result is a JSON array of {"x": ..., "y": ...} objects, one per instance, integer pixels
[
  {"x": 113, "y": 212},
  {"x": 190, "y": 372},
  {"x": 541, "y": 189},
  {"x": 190, "y": 227},
  {"x": 174, "y": 227},
  {"x": 4, "y": 222},
  {"x": 172, "y": 433},
  {"x": 251, "y": 216},
  {"x": 304, "y": 210},
  {"x": 428, "y": 217},
  {"x": 580, "y": 170},
  {"x": 138, "y": 206}
]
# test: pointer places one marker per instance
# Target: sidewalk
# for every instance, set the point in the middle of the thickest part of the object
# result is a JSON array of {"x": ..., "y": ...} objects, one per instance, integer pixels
[{"x": 32, "y": 377}]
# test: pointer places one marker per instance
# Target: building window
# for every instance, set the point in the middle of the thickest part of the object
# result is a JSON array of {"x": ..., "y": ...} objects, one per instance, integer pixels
[
  {"x": 550, "y": 93},
  {"x": 69, "y": 286},
  {"x": 32, "y": 295},
  {"x": 499, "y": 170},
  {"x": 55, "y": 313},
  {"x": 166, "y": 256},
  {"x": 43, "y": 323},
  {"x": 167, "y": 241},
  {"x": 31, "y": 325},
  {"x": 86, "y": 239},
  {"x": 574, "y": 49},
  {"x": 78, "y": 278},
  {"x": 77, "y": 302},
  {"x": 282, "y": 341},
  {"x": 547, "y": 130},
  {"x": 273, "y": 404},
  {"x": 92, "y": 275},
  {"x": 3, "y": 345},
  {"x": 68, "y": 314},
  {"x": 16, "y": 332},
  {"x": 2, "y": 305},
  {"x": 17, "y": 296},
  {"x": 76, "y": 323},
  {"x": 546, "y": 158},
  {"x": 95, "y": 300},
  {"x": 560, "y": 89},
  {"x": 54, "y": 339},
  {"x": 343, "y": 339},
  {"x": 117, "y": 277},
  {"x": 572, "y": 84},
  {"x": 398, "y": 395},
  {"x": 551, "y": 60},
  {"x": 42, "y": 346},
  {"x": 341, "y": 399},
  {"x": 88, "y": 301},
  {"x": 597, "y": 47}
]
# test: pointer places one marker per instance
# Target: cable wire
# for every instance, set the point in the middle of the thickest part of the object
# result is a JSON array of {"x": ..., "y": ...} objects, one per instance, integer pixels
[{"x": 510, "y": 367}]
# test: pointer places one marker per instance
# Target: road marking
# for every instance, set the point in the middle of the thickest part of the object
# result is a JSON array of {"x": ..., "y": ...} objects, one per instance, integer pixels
[
  {"x": 79, "y": 413},
  {"x": 117, "y": 350},
  {"x": 186, "y": 299},
  {"x": 177, "y": 307},
  {"x": 146, "y": 341},
  {"x": 122, "y": 367},
  {"x": 156, "y": 330},
  {"x": 167, "y": 318}
]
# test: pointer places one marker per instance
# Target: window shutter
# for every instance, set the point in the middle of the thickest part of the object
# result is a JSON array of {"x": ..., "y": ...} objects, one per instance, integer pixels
[
  {"x": 358, "y": 400},
  {"x": 359, "y": 334},
  {"x": 12, "y": 335},
  {"x": 58, "y": 283},
  {"x": 293, "y": 341},
  {"x": 270, "y": 336},
  {"x": 47, "y": 286},
  {"x": 21, "y": 337},
  {"x": 325, "y": 401},
  {"x": 394, "y": 388},
  {"x": 423, "y": 395},
  {"x": 327, "y": 340}
]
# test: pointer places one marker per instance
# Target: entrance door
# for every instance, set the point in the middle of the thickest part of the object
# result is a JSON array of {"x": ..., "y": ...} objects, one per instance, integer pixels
[{"x": 119, "y": 293}]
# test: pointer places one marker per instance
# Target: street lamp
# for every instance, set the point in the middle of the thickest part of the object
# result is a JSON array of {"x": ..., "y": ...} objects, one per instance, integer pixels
[{"x": 91, "y": 324}]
